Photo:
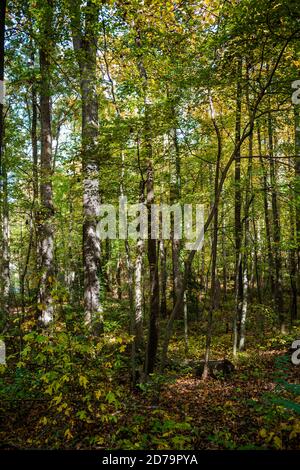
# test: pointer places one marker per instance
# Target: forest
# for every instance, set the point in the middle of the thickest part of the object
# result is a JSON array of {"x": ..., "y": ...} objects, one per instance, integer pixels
[{"x": 150, "y": 224}]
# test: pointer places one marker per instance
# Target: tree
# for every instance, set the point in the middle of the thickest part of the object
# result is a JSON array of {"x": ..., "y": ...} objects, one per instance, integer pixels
[
  {"x": 4, "y": 249},
  {"x": 85, "y": 48},
  {"x": 46, "y": 229}
]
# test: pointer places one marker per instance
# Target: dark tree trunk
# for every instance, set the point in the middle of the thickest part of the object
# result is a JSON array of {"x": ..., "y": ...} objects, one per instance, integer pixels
[
  {"x": 175, "y": 198},
  {"x": 154, "y": 282},
  {"x": 163, "y": 278},
  {"x": 276, "y": 229},
  {"x": 267, "y": 218},
  {"x": 214, "y": 251},
  {"x": 297, "y": 188},
  {"x": 293, "y": 266}
]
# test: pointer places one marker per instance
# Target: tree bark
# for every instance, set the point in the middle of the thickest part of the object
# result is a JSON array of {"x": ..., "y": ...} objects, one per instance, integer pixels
[
  {"x": 267, "y": 217},
  {"x": 276, "y": 228},
  {"x": 138, "y": 314},
  {"x": 46, "y": 229},
  {"x": 214, "y": 250},
  {"x": 86, "y": 49},
  {"x": 2, "y": 36},
  {"x": 154, "y": 281},
  {"x": 163, "y": 278},
  {"x": 297, "y": 187},
  {"x": 237, "y": 213},
  {"x": 293, "y": 265},
  {"x": 175, "y": 198},
  {"x": 4, "y": 266},
  {"x": 248, "y": 199}
]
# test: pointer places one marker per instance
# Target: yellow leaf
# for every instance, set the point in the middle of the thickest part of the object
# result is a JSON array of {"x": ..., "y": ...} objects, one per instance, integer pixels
[
  {"x": 57, "y": 398},
  {"x": 263, "y": 433},
  {"x": 44, "y": 420},
  {"x": 83, "y": 381},
  {"x": 68, "y": 434},
  {"x": 277, "y": 442}
]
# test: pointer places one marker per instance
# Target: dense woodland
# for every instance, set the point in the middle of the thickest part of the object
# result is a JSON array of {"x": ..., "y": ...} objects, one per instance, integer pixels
[{"x": 142, "y": 344}]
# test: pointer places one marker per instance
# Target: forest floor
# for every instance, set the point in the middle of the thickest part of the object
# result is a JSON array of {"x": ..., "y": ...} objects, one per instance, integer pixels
[
  {"x": 238, "y": 413},
  {"x": 233, "y": 413},
  {"x": 257, "y": 407}
]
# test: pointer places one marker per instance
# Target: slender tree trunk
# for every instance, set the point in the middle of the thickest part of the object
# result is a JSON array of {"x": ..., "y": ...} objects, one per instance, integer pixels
[
  {"x": 267, "y": 217},
  {"x": 175, "y": 198},
  {"x": 34, "y": 146},
  {"x": 163, "y": 278},
  {"x": 224, "y": 253},
  {"x": 85, "y": 46},
  {"x": 248, "y": 198},
  {"x": 214, "y": 252},
  {"x": 293, "y": 255},
  {"x": 138, "y": 313},
  {"x": 5, "y": 240},
  {"x": 152, "y": 341},
  {"x": 297, "y": 187},
  {"x": 154, "y": 282},
  {"x": 46, "y": 230},
  {"x": 138, "y": 323},
  {"x": 118, "y": 277},
  {"x": 276, "y": 229},
  {"x": 137, "y": 317},
  {"x": 186, "y": 324},
  {"x": 129, "y": 275},
  {"x": 257, "y": 258},
  {"x": 34, "y": 217},
  {"x": 2, "y": 35},
  {"x": 237, "y": 212},
  {"x": 293, "y": 266},
  {"x": 3, "y": 179}
]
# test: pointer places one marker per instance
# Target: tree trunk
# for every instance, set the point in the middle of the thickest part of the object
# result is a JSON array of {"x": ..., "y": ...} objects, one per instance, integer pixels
[
  {"x": 257, "y": 258},
  {"x": 138, "y": 314},
  {"x": 237, "y": 212},
  {"x": 46, "y": 230},
  {"x": 224, "y": 253},
  {"x": 163, "y": 278},
  {"x": 267, "y": 217},
  {"x": 154, "y": 282},
  {"x": 2, "y": 35},
  {"x": 86, "y": 49},
  {"x": 248, "y": 199},
  {"x": 293, "y": 258},
  {"x": 175, "y": 198},
  {"x": 276, "y": 228},
  {"x": 34, "y": 146},
  {"x": 138, "y": 323},
  {"x": 214, "y": 252},
  {"x": 297, "y": 188},
  {"x": 186, "y": 324},
  {"x": 293, "y": 266},
  {"x": 3, "y": 181},
  {"x": 5, "y": 241}
]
